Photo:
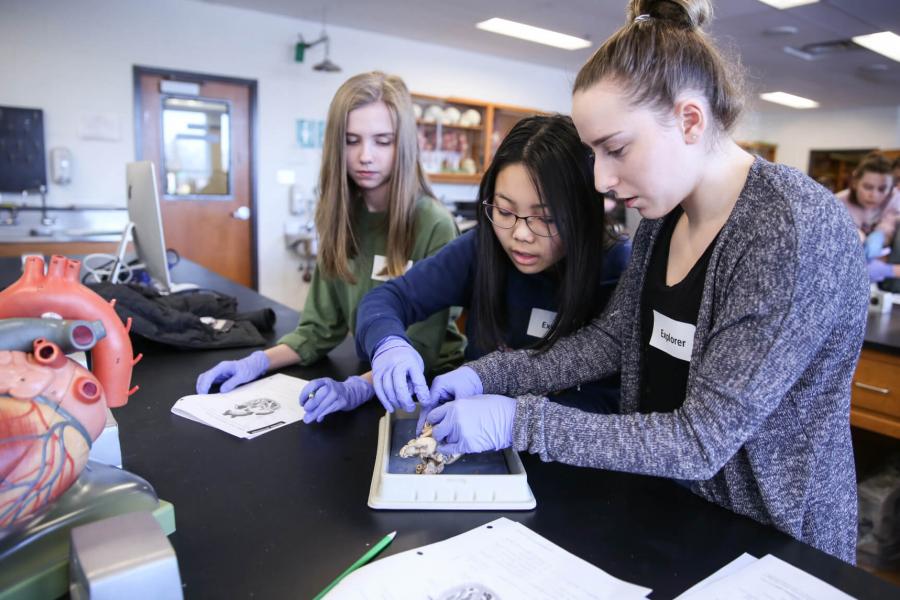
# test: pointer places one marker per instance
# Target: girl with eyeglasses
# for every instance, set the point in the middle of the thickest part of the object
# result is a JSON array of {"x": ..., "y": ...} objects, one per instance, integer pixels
[{"x": 539, "y": 265}]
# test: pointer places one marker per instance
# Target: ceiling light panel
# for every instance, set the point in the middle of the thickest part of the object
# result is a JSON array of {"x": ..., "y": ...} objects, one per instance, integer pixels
[
  {"x": 791, "y": 100},
  {"x": 885, "y": 43},
  {"x": 533, "y": 34},
  {"x": 783, "y": 4}
]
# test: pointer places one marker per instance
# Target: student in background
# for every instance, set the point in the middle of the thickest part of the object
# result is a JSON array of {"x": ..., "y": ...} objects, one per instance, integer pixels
[
  {"x": 892, "y": 281},
  {"x": 874, "y": 206},
  {"x": 737, "y": 324},
  {"x": 540, "y": 264},
  {"x": 895, "y": 170},
  {"x": 376, "y": 215}
]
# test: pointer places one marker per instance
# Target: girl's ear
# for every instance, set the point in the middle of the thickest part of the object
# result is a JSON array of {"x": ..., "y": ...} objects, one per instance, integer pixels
[{"x": 691, "y": 116}]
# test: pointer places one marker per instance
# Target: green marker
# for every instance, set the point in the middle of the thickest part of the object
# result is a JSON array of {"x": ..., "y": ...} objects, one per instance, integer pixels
[{"x": 373, "y": 551}]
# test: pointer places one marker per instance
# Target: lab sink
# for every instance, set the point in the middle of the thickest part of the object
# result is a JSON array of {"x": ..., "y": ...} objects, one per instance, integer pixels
[
  {"x": 19, "y": 234},
  {"x": 44, "y": 232},
  {"x": 65, "y": 225}
]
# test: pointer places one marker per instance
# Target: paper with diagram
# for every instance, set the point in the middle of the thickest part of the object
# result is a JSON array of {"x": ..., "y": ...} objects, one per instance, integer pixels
[
  {"x": 250, "y": 410},
  {"x": 502, "y": 559}
]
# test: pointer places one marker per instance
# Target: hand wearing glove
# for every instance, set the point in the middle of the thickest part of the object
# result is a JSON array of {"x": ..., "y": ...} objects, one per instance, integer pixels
[
  {"x": 879, "y": 271},
  {"x": 323, "y": 396},
  {"x": 459, "y": 383},
  {"x": 474, "y": 424},
  {"x": 398, "y": 369},
  {"x": 874, "y": 244},
  {"x": 233, "y": 372}
]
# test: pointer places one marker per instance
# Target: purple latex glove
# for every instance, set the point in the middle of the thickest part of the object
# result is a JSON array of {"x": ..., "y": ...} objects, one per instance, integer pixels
[
  {"x": 233, "y": 372},
  {"x": 474, "y": 424},
  {"x": 879, "y": 271},
  {"x": 397, "y": 370},
  {"x": 874, "y": 244},
  {"x": 323, "y": 396},
  {"x": 458, "y": 383}
]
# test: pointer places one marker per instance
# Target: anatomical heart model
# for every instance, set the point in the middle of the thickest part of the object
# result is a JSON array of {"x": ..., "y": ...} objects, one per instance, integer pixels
[{"x": 52, "y": 408}]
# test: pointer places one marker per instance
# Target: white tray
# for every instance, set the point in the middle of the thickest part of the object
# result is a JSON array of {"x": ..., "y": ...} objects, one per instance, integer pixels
[{"x": 446, "y": 491}]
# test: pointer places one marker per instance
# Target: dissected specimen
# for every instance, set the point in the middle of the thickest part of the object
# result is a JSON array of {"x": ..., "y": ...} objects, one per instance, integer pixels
[{"x": 425, "y": 447}]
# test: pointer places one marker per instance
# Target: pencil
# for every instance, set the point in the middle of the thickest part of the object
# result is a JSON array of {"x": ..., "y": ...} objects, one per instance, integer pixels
[{"x": 373, "y": 551}]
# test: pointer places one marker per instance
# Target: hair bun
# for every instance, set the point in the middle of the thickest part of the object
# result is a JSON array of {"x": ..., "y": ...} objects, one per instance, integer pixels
[{"x": 691, "y": 14}]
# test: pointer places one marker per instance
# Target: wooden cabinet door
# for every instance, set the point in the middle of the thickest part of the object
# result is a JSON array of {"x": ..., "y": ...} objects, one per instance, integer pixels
[{"x": 876, "y": 393}]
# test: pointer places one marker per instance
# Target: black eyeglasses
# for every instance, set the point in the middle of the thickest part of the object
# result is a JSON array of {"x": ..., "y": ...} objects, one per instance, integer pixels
[{"x": 544, "y": 226}]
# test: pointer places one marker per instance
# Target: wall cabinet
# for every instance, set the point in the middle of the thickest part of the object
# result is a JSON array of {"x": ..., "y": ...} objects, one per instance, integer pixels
[
  {"x": 834, "y": 168},
  {"x": 761, "y": 149},
  {"x": 457, "y": 137},
  {"x": 875, "y": 396}
]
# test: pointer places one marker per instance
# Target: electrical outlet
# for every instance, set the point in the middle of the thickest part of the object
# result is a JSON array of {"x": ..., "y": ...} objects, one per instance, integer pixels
[
  {"x": 302, "y": 202},
  {"x": 293, "y": 227},
  {"x": 298, "y": 201}
]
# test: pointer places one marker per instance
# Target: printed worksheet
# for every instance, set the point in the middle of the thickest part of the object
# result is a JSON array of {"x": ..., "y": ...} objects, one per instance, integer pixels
[
  {"x": 768, "y": 578},
  {"x": 502, "y": 559},
  {"x": 731, "y": 568},
  {"x": 248, "y": 411}
]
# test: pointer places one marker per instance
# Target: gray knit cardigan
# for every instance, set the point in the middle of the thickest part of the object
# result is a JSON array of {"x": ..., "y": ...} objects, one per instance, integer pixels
[{"x": 764, "y": 430}]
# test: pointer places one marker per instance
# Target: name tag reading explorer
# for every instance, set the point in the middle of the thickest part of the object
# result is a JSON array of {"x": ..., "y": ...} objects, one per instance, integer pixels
[{"x": 672, "y": 337}]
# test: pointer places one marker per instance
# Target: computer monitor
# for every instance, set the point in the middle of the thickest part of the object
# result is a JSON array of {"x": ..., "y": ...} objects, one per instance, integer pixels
[{"x": 145, "y": 227}]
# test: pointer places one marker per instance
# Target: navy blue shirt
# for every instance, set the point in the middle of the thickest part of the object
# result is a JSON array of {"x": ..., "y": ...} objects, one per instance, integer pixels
[{"x": 447, "y": 278}]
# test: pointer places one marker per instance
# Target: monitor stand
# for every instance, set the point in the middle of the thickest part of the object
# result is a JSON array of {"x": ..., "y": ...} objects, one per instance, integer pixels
[
  {"x": 163, "y": 287},
  {"x": 181, "y": 287}
]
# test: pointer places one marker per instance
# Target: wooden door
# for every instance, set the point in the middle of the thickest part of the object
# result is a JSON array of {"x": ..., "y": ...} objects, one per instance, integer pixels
[{"x": 198, "y": 131}]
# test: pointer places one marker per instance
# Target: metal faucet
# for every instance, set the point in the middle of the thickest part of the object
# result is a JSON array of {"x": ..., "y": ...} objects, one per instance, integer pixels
[
  {"x": 45, "y": 220},
  {"x": 9, "y": 214}
]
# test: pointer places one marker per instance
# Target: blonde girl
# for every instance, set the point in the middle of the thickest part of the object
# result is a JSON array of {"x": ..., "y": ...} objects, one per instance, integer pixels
[{"x": 376, "y": 216}]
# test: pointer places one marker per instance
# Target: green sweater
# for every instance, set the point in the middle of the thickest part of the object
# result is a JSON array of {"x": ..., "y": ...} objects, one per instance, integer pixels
[{"x": 330, "y": 309}]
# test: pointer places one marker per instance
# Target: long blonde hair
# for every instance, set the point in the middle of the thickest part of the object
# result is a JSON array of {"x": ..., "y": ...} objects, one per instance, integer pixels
[
  {"x": 660, "y": 52},
  {"x": 334, "y": 214}
]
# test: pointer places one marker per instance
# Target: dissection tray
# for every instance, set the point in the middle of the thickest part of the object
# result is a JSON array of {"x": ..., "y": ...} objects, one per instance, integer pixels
[{"x": 484, "y": 481}]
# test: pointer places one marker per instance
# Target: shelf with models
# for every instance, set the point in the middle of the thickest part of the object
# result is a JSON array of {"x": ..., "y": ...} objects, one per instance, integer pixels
[
  {"x": 449, "y": 126},
  {"x": 457, "y": 136}
]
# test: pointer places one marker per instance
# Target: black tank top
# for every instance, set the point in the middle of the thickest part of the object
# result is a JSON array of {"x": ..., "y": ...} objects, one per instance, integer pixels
[{"x": 668, "y": 319}]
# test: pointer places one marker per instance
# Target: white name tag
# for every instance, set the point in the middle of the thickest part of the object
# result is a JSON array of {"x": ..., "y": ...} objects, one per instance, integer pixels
[
  {"x": 540, "y": 322},
  {"x": 672, "y": 337},
  {"x": 380, "y": 269}
]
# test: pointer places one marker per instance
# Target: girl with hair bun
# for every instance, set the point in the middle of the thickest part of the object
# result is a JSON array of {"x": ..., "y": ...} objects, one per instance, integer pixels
[{"x": 737, "y": 324}]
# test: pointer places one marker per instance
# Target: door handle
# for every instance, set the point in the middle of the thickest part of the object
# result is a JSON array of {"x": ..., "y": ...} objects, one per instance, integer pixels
[
  {"x": 872, "y": 388},
  {"x": 242, "y": 213}
]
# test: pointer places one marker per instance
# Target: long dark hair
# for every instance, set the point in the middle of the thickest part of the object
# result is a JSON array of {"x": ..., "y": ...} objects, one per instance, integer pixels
[{"x": 557, "y": 162}]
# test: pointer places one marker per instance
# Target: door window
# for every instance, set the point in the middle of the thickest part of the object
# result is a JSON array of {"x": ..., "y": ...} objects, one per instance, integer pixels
[{"x": 196, "y": 147}]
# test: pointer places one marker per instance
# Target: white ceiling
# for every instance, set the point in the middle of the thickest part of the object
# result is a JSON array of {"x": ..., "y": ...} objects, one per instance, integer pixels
[{"x": 842, "y": 80}]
